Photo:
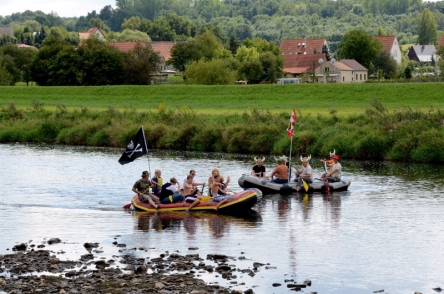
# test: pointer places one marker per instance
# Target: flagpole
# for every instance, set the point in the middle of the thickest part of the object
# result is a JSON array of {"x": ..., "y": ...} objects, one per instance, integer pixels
[
  {"x": 289, "y": 159},
  {"x": 147, "y": 152}
]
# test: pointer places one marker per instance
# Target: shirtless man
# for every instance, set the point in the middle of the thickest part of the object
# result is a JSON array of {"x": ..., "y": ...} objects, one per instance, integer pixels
[
  {"x": 218, "y": 193},
  {"x": 191, "y": 192}
]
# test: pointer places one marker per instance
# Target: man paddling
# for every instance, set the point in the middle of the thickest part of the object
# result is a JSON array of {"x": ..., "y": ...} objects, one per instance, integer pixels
[{"x": 142, "y": 187}]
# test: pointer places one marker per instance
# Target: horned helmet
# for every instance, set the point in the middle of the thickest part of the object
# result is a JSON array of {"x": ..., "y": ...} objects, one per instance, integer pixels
[
  {"x": 259, "y": 159},
  {"x": 333, "y": 153},
  {"x": 305, "y": 159}
]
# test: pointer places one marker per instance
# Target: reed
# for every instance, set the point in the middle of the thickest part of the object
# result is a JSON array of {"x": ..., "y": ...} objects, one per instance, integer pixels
[{"x": 404, "y": 134}]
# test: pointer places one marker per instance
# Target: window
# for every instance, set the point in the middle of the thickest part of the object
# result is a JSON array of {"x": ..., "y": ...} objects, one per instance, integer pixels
[
  {"x": 360, "y": 77},
  {"x": 356, "y": 76},
  {"x": 365, "y": 77},
  {"x": 343, "y": 79}
]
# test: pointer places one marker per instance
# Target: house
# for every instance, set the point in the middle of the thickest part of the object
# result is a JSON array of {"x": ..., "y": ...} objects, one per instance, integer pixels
[
  {"x": 343, "y": 71},
  {"x": 7, "y": 31},
  {"x": 391, "y": 45},
  {"x": 92, "y": 32},
  {"x": 163, "y": 48},
  {"x": 303, "y": 55},
  {"x": 422, "y": 53},
  {"x": 296, "y": 64}
]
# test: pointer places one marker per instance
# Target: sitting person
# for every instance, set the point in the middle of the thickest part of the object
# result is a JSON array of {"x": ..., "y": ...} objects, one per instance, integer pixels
[
  {"x": 281, "y": 171},
  {"x": 305, "y": 173},
  {"x": 157, "y": 182},
  {"x": 191, "y": 192},
  {"x": 328, "y": 163},
  {"x": 335, "y": 173},
  {"x": 170, "y": 192},
  {"x": 211, "y": 178},
  {"x": 142, "y": 187},
  {"x": 218, "y": 193},
  {"x": 259, "y": 169}
]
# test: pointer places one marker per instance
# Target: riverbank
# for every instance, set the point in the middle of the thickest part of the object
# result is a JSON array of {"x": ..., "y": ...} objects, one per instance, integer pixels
[
  {"x": 405, "y": 135},
  {"x": 34, "y": 269}
]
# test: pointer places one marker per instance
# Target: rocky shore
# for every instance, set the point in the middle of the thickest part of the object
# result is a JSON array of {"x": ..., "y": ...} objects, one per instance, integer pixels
[{"x": 34, "y": 269}]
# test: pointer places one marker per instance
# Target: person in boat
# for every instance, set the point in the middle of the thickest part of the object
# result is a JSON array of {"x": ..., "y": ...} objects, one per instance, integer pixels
[
  {"x": 335, "y": 173},
  {"x": 281, "y": 171},
  {"x": 215, "y": 172},
  {"x": 259, "y": 170},
  {"x": 218, "y": 194},
  {"x": 329, "y": 162},
  {"x": 157, "y": 182},
  {"x": 142, "y": 187},
  {"x": 305, "y": 173},
  {"x": 191, "y": 192},
  {"x": 170, "y": 192}
]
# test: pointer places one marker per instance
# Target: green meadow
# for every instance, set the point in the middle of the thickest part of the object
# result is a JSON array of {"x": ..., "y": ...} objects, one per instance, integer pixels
[
  {"x": 401, "y": 122},
  {"x": 307, "y": 98}
]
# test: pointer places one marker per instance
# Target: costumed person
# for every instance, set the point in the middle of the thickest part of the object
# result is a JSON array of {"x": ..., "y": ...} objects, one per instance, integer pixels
[
  {"x": 142, "y": 187},
  {"x": 281, "y": 171},
  {"x": 328, "y": 163},
  {"x": 157, "y": 182},
  {"x": 305, "y": 173},
  {"x": 335, "y": 173},
  {"x": 259, "y": 170},
  {"x": 217, "y": 193},
  {"x": 171, "y": 192}
]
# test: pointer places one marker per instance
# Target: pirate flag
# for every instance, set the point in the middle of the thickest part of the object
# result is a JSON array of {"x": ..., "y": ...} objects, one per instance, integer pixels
[{"x": 135, "y": 149}]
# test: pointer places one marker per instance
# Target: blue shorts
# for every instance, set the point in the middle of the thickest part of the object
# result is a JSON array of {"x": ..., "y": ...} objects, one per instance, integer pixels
[
  {"x": 219, "y": 198},
  {"x": 172, "y": 199}
]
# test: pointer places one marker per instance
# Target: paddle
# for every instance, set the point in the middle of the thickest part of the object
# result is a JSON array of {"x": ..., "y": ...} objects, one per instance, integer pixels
[
  {"x": 304, "y": 183},
  {"x": 327, "y": 185},
  {"x": 127, "y": 206}
]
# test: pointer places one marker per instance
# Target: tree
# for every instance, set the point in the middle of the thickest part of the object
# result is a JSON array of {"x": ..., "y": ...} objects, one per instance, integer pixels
[
  {"x": 213, "y": 72},
  {"x": 128, "y": 35},
  {"x": 427, "y": 33},
  {"x": 132, "y": 23},
  {"x": 139, "y": 64},
  {"x": 160, "y": 30},
  {"x": 234, "y": 44},
  {"x": 360, "y": 46},
  {"x": 22, "y": 59},
  {"x": 247, "y": 54},
  {"x": 408, "y": 73},
  {"x": 385, "y": 63}
]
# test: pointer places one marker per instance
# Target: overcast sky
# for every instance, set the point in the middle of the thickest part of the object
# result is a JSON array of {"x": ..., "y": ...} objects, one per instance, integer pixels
[{"x": 64, "y": 8}]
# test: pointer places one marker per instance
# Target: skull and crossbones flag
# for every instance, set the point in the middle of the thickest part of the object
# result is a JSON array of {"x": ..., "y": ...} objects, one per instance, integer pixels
[{"x": 135, "y": 149}]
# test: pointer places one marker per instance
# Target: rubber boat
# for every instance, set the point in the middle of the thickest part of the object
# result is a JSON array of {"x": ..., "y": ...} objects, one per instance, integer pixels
[
  {"x": 241, "y": 201},
  {"x": 249, "y": 181}
]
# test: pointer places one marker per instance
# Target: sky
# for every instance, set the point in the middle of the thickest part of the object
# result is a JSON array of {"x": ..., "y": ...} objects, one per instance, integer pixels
[{"x": 64, "y": 8}]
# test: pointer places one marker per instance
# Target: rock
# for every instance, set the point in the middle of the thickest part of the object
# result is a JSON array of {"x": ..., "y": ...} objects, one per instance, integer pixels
[
  {"x": 91, "y": 245},
  {"x": 379, "y": 291},
  {"x": 159, "y": 286},
  {"x": 306, "y": 282},
  {"x": 249, "y": 291},
  {"x": 277, "y": 284},
  {"x": 418, "y": 293},
  {"x": 20, "y": 247},
  {"x": 141, "y": 269},
  {"x": 193, "y": 248},
  {"x": 258, "y": 264},
  {"x": 437, "y": 289},
  {"x": 121, "y": 245},
  {"x": 54, "y": 241}
]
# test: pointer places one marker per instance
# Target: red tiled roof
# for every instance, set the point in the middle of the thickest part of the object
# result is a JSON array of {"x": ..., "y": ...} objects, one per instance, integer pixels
[
  {"x": 303, "y": 60},
  {"x": 342, "y": 66},
  {"x": 353, "y": 64},
  {"x": 440, "y": 42},
  {"x": 294, "y": 46},
  {"x": 295, "y": 70},
  {"x": 161, "y": 47},
  {"x": 387, "y": 42}
]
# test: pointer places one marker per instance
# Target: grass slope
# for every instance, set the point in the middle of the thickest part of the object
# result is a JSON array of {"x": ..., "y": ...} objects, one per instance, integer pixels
[{"x": 308, "y": 98}]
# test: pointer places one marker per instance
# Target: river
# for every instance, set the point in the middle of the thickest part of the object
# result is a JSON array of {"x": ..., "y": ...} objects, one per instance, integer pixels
[{"x": 385, "y": 233}]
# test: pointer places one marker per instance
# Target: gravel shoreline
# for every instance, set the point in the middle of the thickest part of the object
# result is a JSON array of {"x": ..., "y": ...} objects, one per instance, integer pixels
[{"x": 34, "y": 269}]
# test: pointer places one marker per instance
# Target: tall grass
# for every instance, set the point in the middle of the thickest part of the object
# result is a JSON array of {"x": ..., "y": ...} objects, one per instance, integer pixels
[{"x": 404, "y": 134}]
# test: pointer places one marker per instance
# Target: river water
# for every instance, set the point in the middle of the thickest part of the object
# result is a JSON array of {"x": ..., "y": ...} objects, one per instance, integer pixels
[{"x": 385, "y": 233}]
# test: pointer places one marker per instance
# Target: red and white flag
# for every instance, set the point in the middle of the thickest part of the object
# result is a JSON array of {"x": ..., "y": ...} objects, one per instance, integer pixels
[{"x": 290, "y": 129}]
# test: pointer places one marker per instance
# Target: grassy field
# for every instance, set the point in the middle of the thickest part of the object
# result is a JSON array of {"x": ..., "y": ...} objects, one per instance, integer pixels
[{"x": 307, "y": 98}]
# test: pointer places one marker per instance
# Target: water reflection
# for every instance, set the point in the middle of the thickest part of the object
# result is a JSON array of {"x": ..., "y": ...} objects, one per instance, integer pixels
[{"x": 219, "y": 225}]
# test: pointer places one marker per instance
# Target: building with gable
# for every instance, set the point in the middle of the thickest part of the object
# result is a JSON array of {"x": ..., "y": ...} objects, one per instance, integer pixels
[
  {"x": 303, "y": 55},
  {"x": 422, "y": 53},
  {"x": 92, "y": 32},
  {"x": 343, "y": 71},
  {"x": 391, "y": 45}
]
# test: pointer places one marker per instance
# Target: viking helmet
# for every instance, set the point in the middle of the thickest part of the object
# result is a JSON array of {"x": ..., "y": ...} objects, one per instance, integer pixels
[
  {"x": 305, "y": 159},
  {"x": 333, "y": 153},
  {"x": 256, "y": 159}
]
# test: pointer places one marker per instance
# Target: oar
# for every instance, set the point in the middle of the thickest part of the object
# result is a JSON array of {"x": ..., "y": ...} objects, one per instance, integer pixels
[
  {"x": 304, "y": 183},
  {"x": 127, "y": 206},
  {"x": 327, "y": 185}
]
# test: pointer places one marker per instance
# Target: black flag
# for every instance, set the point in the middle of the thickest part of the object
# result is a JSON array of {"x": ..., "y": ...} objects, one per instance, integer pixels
[{"x": 135, "y": 149}]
